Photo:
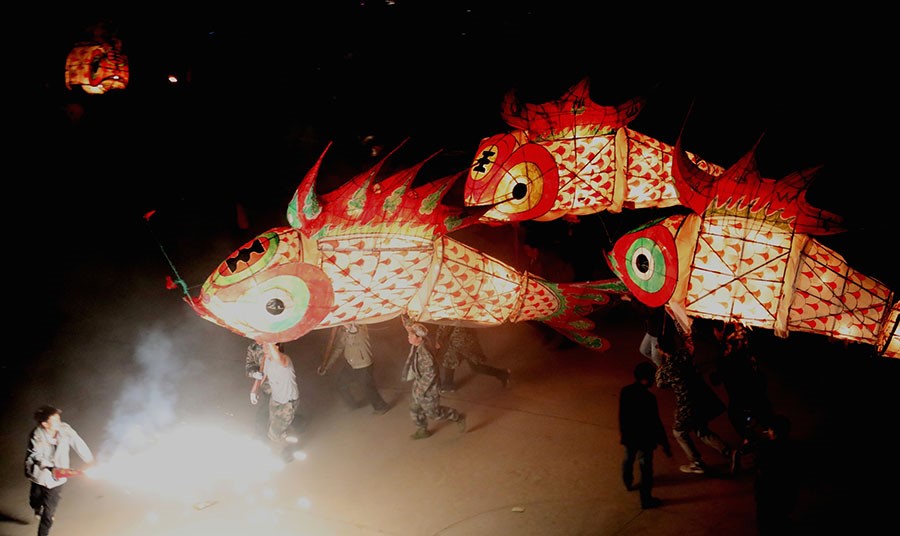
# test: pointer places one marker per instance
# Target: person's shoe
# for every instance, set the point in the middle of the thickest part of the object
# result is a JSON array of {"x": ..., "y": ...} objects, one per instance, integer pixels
[
  {"x": 506, "y": 378},
  {"x": 692, "y": 468},
  {"x": 652, "y": 502},
  {"x": 630, "y": 487},
  {"x": 291, "y": 439},
  {"x": 421, "y": 433},
  {"x": 38, "y": 512},
  {"x": 381, "y": 410},
  {"x": 735, "y": 461},
  {"x": 461, "y": 423},
  {"x": 447, "y": 390}
]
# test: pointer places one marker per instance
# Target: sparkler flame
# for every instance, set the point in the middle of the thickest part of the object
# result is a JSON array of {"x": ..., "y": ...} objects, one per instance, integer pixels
[{"x": 189, "y": 462}]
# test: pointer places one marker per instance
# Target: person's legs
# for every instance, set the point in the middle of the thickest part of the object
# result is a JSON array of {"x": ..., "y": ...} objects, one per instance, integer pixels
[
  {"x": 290, "y": 430},
  {"x": 683, "y": 438},
  {"x": 628, "y": 468},
  {"x": 346, "y": 377},
  {"x": 49, "y": 500},
  {"x": 483, "y": 368},
  {"x": 261, "y": 421},
  {"x": 417, "y": 414},
  {"x": 447, "y": 385},
  {"x": 711, "y": 439},
  {"x": 737, "y": 417},
  {"x": 36, "y": 498},
  {"x": 366, "y": 378},
  {"x": 436, "y": 412},
  {"x": 645, "y": 463},
  {"x": 280, "y": 418}
]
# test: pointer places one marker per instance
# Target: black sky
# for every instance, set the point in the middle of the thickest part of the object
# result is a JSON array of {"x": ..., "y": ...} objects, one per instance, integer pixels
[{"x": 262, "y": 92}]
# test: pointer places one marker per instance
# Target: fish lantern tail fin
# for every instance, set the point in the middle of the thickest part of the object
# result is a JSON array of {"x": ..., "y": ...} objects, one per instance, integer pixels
[{"x": 578, "y": 300}]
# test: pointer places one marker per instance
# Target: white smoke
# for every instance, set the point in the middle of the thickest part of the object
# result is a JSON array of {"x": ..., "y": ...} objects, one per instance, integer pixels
[{"x": 148, "y": 399}]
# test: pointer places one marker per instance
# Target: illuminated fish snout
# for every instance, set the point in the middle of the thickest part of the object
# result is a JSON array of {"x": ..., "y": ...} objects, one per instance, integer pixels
[
  {"x": 265, "y": 291},
  {"x": 520, "y": 180}
]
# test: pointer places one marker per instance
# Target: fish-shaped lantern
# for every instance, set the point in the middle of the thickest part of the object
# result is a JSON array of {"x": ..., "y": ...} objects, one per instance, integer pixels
[
  {"x": 97, "y": 66},
  {"x": 745, "y": 253},
  {"x": 372, "y": 251},
  {"x": 571, "y": 157}
]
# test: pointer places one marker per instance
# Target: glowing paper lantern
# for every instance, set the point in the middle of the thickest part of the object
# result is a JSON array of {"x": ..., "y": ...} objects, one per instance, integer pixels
[
  {"x": 571, "y": 157},
  {"x": 889, "y": 338},
  {"x": 98, "y": 65},
  {"x": 745, "y": 255},
  {"x": 368, "y": 252}
]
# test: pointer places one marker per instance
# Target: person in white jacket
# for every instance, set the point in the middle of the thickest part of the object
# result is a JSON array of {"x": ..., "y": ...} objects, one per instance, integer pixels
[
  {"x": 46, "y": 457},
  {"x": 284, "y": 401}
]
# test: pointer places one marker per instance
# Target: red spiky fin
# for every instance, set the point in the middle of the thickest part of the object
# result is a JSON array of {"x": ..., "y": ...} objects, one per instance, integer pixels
[
  {"x": 810, "y": 220},
  {"x": 357, "y": 189},
  {"x": 305, "y": 206},
  {"x": 575, "y": 109},
  {"x": 741, "y": 188},
  {"x": 399, "y": 183}
]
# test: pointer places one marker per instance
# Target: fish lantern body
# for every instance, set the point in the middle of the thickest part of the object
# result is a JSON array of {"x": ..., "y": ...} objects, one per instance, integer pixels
[
  {"x": 745, "y": 254},
  {"x": 571, "y": 157},
  {"x": 369, "y": 252},
  {"x": 97, "y": 67}
]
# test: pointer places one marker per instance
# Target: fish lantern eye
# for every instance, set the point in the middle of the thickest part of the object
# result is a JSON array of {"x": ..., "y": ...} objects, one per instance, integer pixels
[
  {"x": 520, "y": 190},
  {"x": 647, "y": 262},
  {"x": 275, "y": 306}
]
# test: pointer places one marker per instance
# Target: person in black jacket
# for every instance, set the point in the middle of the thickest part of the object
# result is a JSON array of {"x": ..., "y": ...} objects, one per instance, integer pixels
[{"x": 641, "y": 430}]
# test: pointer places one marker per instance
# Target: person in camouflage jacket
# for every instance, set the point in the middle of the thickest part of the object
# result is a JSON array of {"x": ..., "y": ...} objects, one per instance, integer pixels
[
  {"x": 456, "y": 344},
  {"x": 426, "y": 396}
]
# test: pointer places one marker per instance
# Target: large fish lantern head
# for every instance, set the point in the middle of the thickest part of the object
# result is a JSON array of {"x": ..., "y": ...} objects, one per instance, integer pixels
[
  {"x": 647, "y": 260},
  {"x": 274, "y": 288},
  {"x": 519, "y": 178},
  {"x": 525, "y": 173},
  {"x": 265, "y": 291}
]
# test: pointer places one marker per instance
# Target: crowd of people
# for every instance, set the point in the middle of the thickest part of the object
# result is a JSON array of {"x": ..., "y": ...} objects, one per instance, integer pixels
[
  {"x": 763, "y": 434},
  {"x": 437, "y": 350}
]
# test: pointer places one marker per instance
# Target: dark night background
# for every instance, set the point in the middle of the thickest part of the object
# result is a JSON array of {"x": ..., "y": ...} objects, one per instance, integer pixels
[{"x": 261, "y": 94}]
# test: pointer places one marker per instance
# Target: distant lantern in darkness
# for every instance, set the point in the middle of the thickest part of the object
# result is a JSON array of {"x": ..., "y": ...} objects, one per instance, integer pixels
[{"x": 97, "y": 65}]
